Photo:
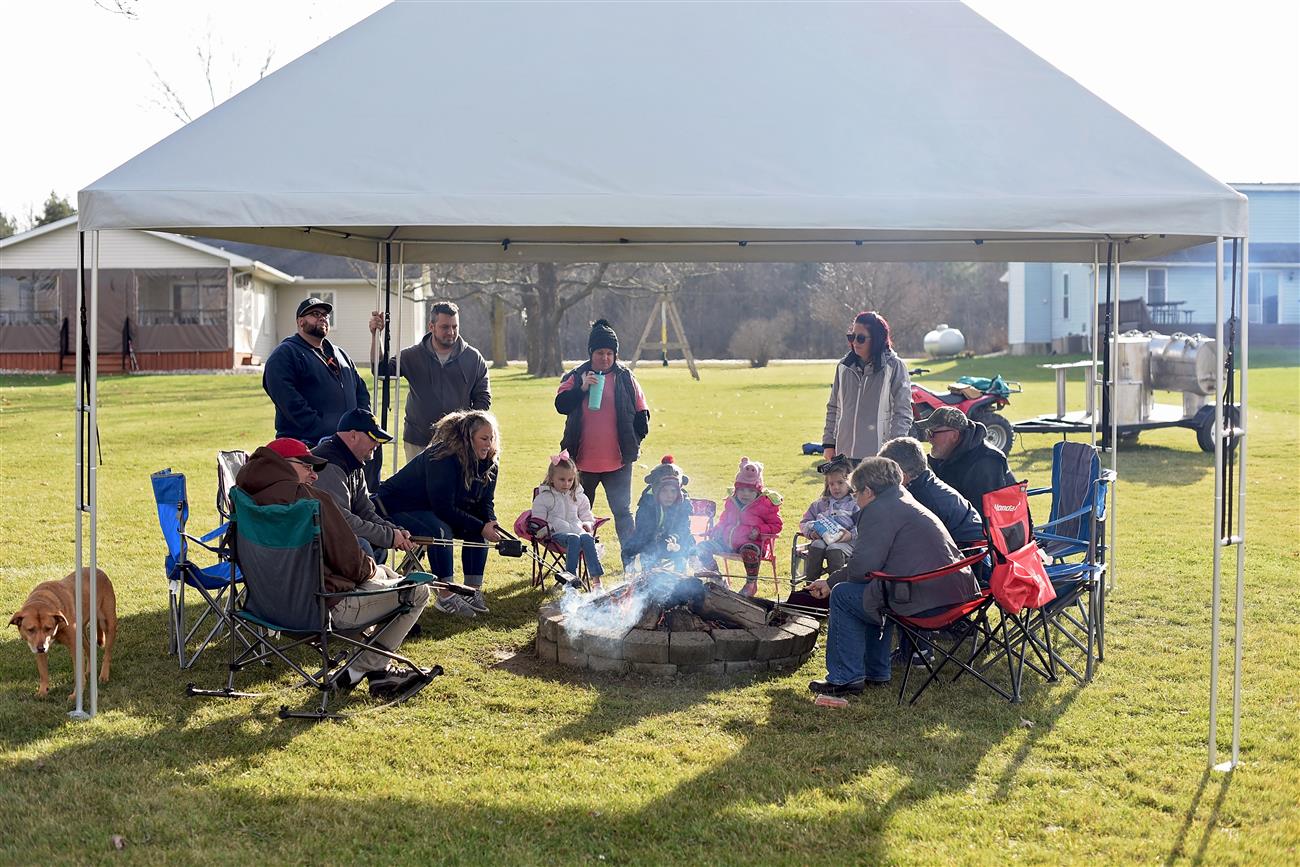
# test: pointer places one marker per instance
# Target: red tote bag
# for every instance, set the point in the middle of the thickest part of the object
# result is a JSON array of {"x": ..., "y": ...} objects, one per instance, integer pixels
[{"x": 1019, "y": 580}]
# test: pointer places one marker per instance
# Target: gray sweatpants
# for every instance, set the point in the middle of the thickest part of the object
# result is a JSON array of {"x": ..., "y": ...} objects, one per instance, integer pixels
[{"x": 361, "y": 609}]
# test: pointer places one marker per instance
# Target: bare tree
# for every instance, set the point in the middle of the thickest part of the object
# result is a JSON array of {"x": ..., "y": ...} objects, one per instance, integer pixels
[
  {"x": 223, "y": 75},
  {"x": 760, "y": 340}
]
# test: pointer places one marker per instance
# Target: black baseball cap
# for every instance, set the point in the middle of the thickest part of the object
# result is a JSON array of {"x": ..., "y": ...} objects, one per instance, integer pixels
[
  {"x": 364, "y": 420},
  {"x": 311, "y": 302}
]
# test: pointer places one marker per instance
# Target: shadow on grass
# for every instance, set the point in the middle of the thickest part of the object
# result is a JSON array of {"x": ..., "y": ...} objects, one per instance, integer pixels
[{"x": 1178, "y": 850}]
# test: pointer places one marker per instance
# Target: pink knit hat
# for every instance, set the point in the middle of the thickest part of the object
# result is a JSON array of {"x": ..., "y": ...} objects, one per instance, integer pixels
[{"x": 750, "y": 475}]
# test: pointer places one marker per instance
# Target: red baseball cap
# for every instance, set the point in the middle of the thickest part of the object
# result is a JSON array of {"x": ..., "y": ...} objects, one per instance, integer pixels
[{"x": 288, "y": 447}]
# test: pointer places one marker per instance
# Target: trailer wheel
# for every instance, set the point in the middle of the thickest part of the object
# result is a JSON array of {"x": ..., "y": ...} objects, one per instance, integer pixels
[
  {"x": 1205, "y": 431},
  {"x": 999, "y": 433}
]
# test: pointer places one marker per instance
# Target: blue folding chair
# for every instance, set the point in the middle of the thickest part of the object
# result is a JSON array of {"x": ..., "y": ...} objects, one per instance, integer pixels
[
  {"x": 214, "y": 583},
  {"x": 1074, "y": 537}
]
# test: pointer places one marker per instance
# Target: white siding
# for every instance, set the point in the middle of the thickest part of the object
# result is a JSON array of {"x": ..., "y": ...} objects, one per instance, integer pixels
[
  {"x": 349, "y": 326},
  {"x": 1016, "y": 303},
  {"x": 117, "y": 249}
]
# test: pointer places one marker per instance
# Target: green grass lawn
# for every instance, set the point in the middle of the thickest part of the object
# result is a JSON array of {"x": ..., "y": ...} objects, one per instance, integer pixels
[{"x": 505, "y": 761}]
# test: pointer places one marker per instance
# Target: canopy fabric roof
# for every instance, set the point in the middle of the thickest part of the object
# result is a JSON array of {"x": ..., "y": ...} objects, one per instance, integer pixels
[{"x": 642, "y": 131}]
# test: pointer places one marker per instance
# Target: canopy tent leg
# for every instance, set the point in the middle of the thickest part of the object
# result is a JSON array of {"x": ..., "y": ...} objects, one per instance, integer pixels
[
  {"x": 1229, "y": 465},
  {"x": 86, "y": 472},
  {"x": 397, "y": 362}
]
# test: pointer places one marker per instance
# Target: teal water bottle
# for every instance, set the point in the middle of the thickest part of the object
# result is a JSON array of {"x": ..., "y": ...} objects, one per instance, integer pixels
[{"x": 596, "y": 392}]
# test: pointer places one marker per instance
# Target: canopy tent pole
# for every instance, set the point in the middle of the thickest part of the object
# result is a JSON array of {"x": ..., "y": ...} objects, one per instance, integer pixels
[
  {"x": 374, "y": 342},
  {"x": 87, "y": 471},
  {"x": 1239, "y": 613},
  {"x": 397, "y": 365},
  {"x": 1112, "y": 521},
  {"x": 89, "y": 630},
  {"x": 384, "y": 352},
  {"x": 1092, "y": 402},
  {"x": 1229, "y": 465},
  {"x": 1221, "y": 356},
  {"x": 79, "y": 465}
]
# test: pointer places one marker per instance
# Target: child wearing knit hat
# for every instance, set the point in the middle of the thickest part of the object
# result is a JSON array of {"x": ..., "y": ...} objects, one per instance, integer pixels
[
  {"x": 663, "y": 519},
  {"x": 750, "y": 513}
]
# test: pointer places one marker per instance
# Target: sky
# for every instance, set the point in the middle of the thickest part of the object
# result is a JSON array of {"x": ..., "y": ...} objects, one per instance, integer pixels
[{"x": 1218, "y": 82}]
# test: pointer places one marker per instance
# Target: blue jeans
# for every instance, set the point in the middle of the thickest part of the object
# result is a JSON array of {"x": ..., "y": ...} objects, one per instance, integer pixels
[
  {"x": 618, "y": 491},
  {"x": 472, "y": 560},
  {"x": 856, "y": 648},
  {"x": 579, "y": 544}
]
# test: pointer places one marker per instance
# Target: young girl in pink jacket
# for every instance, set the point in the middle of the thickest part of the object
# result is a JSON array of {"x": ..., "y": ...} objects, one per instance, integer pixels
[{"x": 749, "y": 514}]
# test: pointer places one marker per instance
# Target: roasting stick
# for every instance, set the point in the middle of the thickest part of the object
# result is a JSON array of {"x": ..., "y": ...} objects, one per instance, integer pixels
[{"x": 508, "y": 546}]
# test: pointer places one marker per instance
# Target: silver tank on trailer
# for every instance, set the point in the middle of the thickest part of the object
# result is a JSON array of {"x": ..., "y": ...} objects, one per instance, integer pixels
[{"x": 1180, "y": 362}]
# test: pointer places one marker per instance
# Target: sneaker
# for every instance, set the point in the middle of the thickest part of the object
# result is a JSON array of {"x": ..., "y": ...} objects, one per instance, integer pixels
[
  {"x": 921, "y": 659},
  {"x": 750, "y": 588},
  {"x": 392, "y": 682},
  {"x": 477, "y": 602},
  {"x": 349, "y": 680},
  {"x": 454, "y": 605}
]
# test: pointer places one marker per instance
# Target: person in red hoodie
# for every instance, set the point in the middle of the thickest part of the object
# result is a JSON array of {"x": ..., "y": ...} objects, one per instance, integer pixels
[
  {"x": 750, "y": 512},
  {"x": 284, "y": 471}
]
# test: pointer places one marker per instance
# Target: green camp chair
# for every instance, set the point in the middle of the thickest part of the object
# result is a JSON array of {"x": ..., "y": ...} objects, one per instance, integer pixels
[{"x": 284, "y": 612}]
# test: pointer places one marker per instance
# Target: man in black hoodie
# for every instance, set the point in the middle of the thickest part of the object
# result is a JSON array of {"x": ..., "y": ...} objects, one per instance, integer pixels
[{"x": 960, "y": 457}]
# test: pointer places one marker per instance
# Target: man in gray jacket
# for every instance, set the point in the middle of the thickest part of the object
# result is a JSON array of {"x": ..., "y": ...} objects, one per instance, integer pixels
[
  {"x": 344, "y": 479},
  {"x": 443, "y": 374},
  {"x": 896, "y": 536}
]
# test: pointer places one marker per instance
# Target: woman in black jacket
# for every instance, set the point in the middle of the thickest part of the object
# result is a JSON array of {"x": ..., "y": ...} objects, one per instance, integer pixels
[{"x": 447, "y": 492}]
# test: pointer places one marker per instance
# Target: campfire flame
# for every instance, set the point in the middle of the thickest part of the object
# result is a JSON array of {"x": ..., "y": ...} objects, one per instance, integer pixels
[{"x": 618, "y": 609}]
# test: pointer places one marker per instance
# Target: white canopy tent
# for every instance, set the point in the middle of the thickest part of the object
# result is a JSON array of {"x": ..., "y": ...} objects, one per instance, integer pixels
[{"x": 642, "y": 131}]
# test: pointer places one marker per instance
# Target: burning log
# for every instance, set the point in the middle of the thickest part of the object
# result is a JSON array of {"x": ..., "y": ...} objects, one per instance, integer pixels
[
  {"x": 681, "y": 620},
  {"x": 719, "y": 603}
]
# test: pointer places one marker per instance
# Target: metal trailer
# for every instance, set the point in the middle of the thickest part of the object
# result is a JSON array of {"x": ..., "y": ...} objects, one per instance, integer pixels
[{"x": 1146, "y": 362}]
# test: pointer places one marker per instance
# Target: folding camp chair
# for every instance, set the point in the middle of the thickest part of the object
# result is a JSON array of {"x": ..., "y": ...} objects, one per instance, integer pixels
[
  {"x": 1076, "y": 528},
  {"x": 285, "y": 606},
  {"x": 946, "y": 632},
  {"x": 703, "y": 515},
  {"x": 229, "y": 463},
  {"x": 213, "y": 583},
  {"x": 1019, "y": 583},
  {"x": 550, "y": 557}
]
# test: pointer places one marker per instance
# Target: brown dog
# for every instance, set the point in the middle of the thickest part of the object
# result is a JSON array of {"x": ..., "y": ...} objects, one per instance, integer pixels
[{"x": 44, "y": 617}]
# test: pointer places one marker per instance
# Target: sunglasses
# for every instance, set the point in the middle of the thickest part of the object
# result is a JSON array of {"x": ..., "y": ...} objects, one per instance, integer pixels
[
  {"x": 301, "y": 463},
  {"x": 856, "y": 338}
]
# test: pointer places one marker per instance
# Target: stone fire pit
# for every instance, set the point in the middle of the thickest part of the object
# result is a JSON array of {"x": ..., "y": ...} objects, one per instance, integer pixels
[{"x": 664, "y": 623}]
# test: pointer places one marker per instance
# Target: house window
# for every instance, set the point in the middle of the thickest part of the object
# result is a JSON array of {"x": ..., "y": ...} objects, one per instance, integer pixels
[
  {"x": 1262, "y": 297},
  {"x": 1065, "y": 296},
  {"x": 1157, "y": 285},
  {"x": 30, "y": 298},
  {"x": 178, "y": 299},
  {"x": 327, "y": 297}
]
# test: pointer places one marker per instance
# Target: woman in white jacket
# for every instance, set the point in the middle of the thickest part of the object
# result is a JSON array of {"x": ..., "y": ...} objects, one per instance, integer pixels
[
  {"x": 567, "y": 513},
  {"x": 871, "y": 396}
]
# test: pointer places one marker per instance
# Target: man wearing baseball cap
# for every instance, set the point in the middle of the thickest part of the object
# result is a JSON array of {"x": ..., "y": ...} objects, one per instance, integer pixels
[
  {"x": 311, "y": 381},
  {"x": 343, "y": 477},
  {"x": 283, "y": 471},
  {"x": 960, "y": 457}
]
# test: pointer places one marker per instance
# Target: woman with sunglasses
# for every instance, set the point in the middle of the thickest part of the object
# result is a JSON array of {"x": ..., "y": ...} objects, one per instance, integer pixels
[{"x": 871, "y": 395}]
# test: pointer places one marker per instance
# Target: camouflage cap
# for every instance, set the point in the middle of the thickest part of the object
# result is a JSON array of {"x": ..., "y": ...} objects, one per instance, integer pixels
[{"x": 944, "y": 417}]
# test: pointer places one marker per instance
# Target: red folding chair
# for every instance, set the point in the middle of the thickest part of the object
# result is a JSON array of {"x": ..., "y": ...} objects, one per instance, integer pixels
[
  {"x": 703, "y": 516},
  {"x": 549, "y": 557}
]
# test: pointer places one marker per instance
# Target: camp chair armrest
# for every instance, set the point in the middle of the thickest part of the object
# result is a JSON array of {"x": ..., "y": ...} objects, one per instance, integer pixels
[
  {"x": 1057, "y": 537},
  {"x": 1033, "y": 492},
  {"x": 933, "y": 573},
  {"x": 598, "y": 523},
  {"x": 202, "y": 543},
  {"x": 396, "y": 588},
  {"x": 1077, "y": 513}
]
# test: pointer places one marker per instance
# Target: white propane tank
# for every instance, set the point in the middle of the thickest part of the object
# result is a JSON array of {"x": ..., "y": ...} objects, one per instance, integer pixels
[
  {"x": 1183, "y": 363},
  {"x": 944, "y": 341}
]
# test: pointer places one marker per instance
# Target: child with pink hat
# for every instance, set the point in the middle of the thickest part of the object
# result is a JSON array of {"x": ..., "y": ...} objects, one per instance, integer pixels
[{"x": 750, "y": 513}]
